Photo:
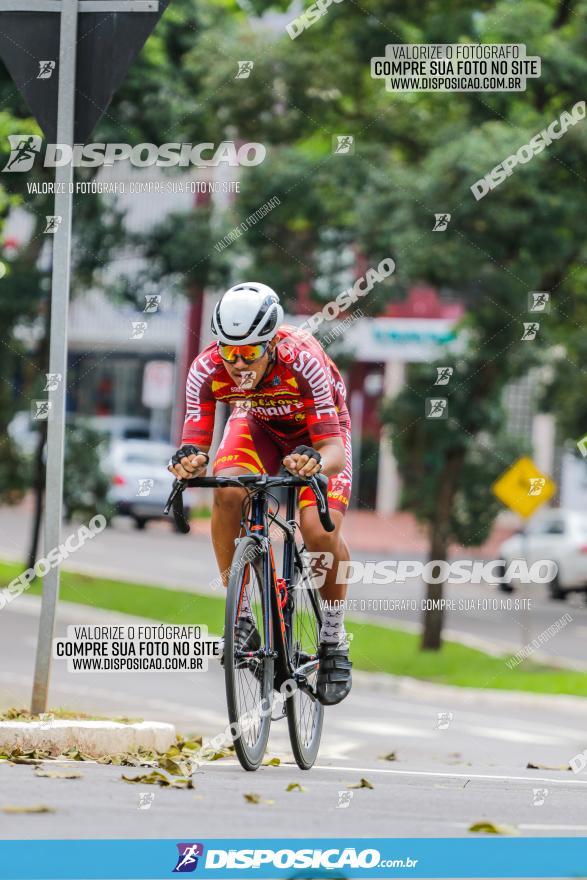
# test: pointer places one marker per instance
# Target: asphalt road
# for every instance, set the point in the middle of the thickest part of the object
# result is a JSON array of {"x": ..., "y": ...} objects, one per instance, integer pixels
[
  {"x": 162, "y": 557},
  {"x": 444, "y": 778}
]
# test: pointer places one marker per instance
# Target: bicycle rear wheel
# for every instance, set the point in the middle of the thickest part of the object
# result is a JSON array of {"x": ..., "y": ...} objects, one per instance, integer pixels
[
  {"x": 305, "y": 715},
  {"x": 249, "y": 680}
]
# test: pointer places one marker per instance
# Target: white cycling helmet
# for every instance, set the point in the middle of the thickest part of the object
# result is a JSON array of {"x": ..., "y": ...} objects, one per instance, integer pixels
[{"x": 247, "y": 313}]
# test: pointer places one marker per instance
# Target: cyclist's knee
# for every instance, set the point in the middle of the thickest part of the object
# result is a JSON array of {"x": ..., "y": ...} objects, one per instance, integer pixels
[
  {"x": 315, "y": 538},
  {"x": 229, "y": 499}
]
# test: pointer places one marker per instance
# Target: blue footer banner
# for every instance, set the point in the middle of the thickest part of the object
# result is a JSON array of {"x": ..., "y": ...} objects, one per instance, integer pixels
[{"x": 293, "y": 858}]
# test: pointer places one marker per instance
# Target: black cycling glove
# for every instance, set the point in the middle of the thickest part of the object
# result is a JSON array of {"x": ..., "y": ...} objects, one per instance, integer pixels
[
  {"x": 310, "y": 452},
  {"x": 185, "y": 452}
]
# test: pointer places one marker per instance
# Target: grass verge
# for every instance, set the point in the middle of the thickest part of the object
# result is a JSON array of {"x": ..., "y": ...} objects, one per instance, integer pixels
[{"x": 374, "y": 648}]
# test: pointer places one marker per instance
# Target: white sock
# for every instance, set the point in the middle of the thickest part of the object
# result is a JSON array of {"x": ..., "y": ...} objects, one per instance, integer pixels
[{"x": 332, "y": 631}]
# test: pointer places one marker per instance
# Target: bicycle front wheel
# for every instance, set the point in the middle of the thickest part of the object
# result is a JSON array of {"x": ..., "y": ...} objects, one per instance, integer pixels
[
  {"x": 248, "y": 678},
  {"x": 305, "y": 715}
]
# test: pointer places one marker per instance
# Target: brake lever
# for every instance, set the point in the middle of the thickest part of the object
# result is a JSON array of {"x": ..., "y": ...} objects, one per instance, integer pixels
[{"x": 178, "y": 487}]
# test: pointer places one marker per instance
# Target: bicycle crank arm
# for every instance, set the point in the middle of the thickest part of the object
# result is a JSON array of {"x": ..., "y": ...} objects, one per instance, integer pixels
[{"x": 306, "y": 669}]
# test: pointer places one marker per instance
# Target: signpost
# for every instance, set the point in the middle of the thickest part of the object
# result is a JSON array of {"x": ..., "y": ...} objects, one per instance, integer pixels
[
  {"x": 37, "y": 36},
  {"x": 523, "y": 488},
  {"x": 157, "y": 393}
]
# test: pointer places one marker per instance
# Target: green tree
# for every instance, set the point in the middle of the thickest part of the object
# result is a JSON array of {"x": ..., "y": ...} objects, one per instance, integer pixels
[{"x": 528, "y": 234}]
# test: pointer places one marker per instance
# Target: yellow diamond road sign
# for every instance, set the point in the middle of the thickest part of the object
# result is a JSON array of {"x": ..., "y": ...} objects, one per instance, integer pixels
[{"x": 523, "y": 488}]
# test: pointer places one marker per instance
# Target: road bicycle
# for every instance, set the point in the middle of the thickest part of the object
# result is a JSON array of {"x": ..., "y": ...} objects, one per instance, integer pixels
[{"x": 286, "y": 611}]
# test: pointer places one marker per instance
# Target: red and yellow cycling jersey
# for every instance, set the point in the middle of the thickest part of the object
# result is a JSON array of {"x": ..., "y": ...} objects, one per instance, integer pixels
[{"x": 301, "y": 396}]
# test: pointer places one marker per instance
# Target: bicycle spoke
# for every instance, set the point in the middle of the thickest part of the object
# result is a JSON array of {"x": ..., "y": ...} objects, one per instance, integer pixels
[
  {"x": 304, "y": 712},
  {"x": 246, "y": 675}
]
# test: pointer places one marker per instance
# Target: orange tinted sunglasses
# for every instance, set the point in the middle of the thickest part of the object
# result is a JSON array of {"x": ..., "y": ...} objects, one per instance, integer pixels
[{"x": 249, "y": 353}]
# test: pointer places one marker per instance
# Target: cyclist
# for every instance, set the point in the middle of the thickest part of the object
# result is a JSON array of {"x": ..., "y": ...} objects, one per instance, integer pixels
[{"x": 288, "y": 407}]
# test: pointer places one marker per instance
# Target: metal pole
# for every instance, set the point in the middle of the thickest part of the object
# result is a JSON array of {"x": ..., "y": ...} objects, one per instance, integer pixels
[{"x": 58, "y": 348}]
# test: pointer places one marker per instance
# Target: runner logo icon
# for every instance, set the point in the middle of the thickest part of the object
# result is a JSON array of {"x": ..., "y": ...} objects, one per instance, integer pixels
[
  {"x": 187, "y": 859},
  {"x": 23, "y": 150}
]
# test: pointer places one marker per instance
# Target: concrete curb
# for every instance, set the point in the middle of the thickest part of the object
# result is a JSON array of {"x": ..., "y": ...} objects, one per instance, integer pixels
[{"x": 94, "y": 738}]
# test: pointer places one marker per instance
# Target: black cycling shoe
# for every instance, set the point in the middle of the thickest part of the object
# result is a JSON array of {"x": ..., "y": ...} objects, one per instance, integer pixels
[
  {"x": 247, "y": 638},
  {"x": 334, "y": 679}
]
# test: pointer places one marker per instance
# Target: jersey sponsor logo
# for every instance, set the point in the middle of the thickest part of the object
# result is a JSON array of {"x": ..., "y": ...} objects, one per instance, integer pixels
[
  {"x": 273, "y": 410},
  {"x": 287, "y": 352},
  {"x": 275, "y": 401},
  {"x": 338, "y": 496},
  {"x": 340, "y": 483},
  {"x": 311, "y": 369},
  {"x": 199, "y": 373},
  {"x": 272, "y": 405}
]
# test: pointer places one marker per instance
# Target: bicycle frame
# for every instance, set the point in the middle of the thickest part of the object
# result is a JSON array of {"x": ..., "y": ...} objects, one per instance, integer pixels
[
  {"x": 255, "y": 525},
  {"x": 273, "y": 612}
]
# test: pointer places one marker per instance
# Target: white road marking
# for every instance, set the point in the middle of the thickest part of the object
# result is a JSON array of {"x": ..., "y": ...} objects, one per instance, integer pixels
[
  {"x": 446, "y": 774},
  {"x": 433, "y": 773}
]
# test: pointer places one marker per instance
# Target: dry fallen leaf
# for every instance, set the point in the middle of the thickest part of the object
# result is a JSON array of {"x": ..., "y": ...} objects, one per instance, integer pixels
[
  {"x": 272, "y": 762},
  {"x": 33, "y": 756},
  {"x": 295, "y": 786},
  {"x": 193, "y": 742},
  {"x": 228, "y": 752},
  {"x": 74, "y": 754},
  {"x": 391, "y": 756},
  {"x": 155, "y": 778},
  {"x": 36, "y": 808},
  {"x": 364, "y": 783},
  {"x": 493, "y": 828},
  {"x": 59, "y": 774},
  {"x": 531, "y": 766},
  {"x": 175, "y": 767},
  {"x": 256, "y": 799}
]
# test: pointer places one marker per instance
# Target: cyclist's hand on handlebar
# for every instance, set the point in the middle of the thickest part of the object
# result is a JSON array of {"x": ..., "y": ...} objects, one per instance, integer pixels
[
  {"x": 303, "y": 462},
  {"x": 188, "y": 462}
]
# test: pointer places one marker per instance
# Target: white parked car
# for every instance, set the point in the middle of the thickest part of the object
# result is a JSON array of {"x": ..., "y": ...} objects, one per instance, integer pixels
[
  {"x": 557, "y": 535},
  {"x": 140, "y": 480},
  {"x": 116, "y": 427}
]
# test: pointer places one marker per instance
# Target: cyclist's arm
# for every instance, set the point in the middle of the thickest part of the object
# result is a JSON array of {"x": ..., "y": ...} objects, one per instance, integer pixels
[
  {"x": 331, "y": 450},
  {"x": 322, "y": 422},
  {"x": 200, "y": 405},
  {"x": 198, "y": 426}
]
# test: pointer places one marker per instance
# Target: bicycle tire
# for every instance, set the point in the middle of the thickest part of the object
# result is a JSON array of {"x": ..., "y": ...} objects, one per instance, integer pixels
[
  {"x": 249, "y": 754},
  {"x": 305, "y": 748}
]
